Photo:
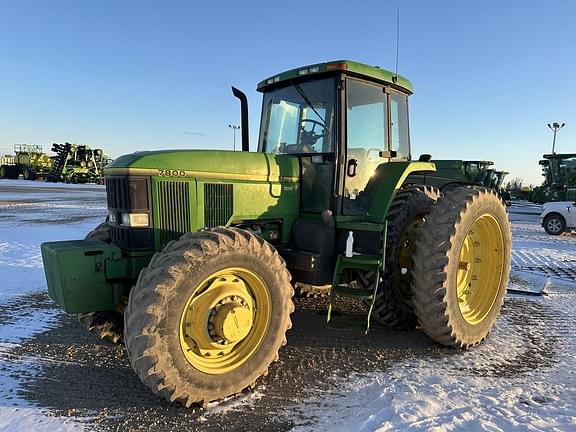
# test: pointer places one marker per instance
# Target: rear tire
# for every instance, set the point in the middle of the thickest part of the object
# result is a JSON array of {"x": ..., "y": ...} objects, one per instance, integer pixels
[
  {"x": 393, "y": 304},
  {"x": 461, "y": 266},
  {"x": 175, "y": 328},
  {"x": 14, "y": 172},
  {"x": 554, "y": 224},
  {"x": 29, "y": 174}
]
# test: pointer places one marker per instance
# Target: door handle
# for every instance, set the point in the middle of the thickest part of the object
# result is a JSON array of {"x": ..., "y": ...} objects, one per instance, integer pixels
[{"x": 351, "y": 168}]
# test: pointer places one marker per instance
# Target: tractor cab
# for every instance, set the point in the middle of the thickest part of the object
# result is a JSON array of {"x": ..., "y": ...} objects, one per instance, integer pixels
[
  {"x": 347, "y": 123},
  {"x": 342, "y": 120},
  {"x": 478, "y": 172}
]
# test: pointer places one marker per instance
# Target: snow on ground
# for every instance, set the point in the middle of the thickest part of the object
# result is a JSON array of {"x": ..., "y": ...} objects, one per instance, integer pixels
[
  {"x": 27, "y": 218},
  {"x": 509, "y": 382},
  {"x": 493, "y": 393}
]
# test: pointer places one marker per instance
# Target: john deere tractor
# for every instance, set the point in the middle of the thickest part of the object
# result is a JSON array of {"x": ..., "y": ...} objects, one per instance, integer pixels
[
  {"x": 195, "y": 265},
  {"x": 559, "y": 172}
]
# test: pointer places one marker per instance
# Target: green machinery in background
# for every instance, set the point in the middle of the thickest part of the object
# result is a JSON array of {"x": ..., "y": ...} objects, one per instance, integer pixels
[
  {"x": 453, "y": 173},
  {"x": 559, "y": 172},
  {"x": 195, "y": 264},
  {"x": 76, "y": 163},
  {"x": 29, "y": 161},
  {"x": 72, "y": 164}
]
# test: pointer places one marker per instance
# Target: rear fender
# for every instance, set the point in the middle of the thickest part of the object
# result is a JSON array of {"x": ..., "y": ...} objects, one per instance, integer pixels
[{"x": 388, "y": 179}]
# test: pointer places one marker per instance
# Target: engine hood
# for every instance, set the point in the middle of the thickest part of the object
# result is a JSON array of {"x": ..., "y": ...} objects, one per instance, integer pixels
[{"x": 216, "y": 164}]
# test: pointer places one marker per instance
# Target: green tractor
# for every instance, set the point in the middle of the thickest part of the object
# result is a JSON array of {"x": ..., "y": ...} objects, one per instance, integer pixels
[
  {"x": 495, "y": 181},
  {"x": 454, "y": 173},
  {"x": 559, "y": 172},
  {"x": 194, "y": 266}
]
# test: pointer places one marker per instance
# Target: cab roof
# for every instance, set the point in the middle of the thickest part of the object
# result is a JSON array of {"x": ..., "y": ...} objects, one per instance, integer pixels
[{"x": 373, "y": 73}]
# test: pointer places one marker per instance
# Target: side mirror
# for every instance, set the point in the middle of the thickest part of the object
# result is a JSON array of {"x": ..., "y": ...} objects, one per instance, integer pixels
[{"x": 425, "y": 158}]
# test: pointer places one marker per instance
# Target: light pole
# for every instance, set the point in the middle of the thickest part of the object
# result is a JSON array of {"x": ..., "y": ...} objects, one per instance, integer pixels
[
  {"x": 555, "y": 127},
  {"x": 234, "y": 128}
]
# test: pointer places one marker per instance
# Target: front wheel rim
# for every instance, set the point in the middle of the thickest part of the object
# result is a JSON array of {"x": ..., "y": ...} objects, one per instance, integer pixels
[
  {"x": 480, "y": 269},
  {"x": 225, "y": 320},
  {"x": 554, "y": 225}
]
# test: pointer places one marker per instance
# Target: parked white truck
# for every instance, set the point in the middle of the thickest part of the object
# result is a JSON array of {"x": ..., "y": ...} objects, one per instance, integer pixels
[{"x": 558, "y": 217}]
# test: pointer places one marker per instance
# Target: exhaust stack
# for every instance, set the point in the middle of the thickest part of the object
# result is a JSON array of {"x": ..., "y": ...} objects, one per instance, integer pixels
[{"x": 244, "y": 117}]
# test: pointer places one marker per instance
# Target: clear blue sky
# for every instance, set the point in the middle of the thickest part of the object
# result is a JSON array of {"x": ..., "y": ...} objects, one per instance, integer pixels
[{"x": 131, "y": 75}]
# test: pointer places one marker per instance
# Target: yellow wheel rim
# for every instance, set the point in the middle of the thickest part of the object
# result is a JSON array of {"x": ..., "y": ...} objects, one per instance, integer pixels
[
  {"x": 480, "y": 269},
  {"x": 225, "y": 320}
]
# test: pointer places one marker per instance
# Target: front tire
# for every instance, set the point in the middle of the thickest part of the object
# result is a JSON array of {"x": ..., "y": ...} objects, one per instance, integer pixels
[
  {"x": 208, "y": 315},
  {"x": 554, "y": 224},
  {"x": 461, "y": 266}
]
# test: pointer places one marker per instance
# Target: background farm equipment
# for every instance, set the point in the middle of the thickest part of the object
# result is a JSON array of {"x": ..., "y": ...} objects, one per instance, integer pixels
[
  {"x": 559, "y": 172},
  {"x": 453, "y": 173},
  {"x": 29, "y": 161},
  {"x": 75, "y": 163}
]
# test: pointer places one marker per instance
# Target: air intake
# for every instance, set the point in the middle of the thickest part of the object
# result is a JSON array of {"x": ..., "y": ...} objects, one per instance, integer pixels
[
  {"x": 218, "y": 204},
  {"x": 173, "y": 210}
]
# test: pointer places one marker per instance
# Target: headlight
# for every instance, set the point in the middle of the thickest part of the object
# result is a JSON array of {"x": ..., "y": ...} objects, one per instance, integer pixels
[
  {"x": 82, "y": 164},
  {"x": 135, "y": 219}
]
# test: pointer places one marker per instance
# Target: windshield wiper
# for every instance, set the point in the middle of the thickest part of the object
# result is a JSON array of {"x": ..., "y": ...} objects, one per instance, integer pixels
[{"x": 303, "y": 95}]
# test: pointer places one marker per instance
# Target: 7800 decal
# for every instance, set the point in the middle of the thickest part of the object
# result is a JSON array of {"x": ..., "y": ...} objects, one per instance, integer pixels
[{"x": 172, "y": 173}]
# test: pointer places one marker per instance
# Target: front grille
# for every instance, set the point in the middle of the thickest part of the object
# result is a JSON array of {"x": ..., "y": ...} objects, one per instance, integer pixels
[
  {"x": 118, "y": 192},
  {"x": 173, "y": 210},
  {"x": 129, "y": 194},
  {"x": 218, "y": 204}
]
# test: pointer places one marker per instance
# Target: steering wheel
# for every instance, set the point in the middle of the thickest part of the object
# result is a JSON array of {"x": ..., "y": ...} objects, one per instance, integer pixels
[{"x": 309, "y": 137}]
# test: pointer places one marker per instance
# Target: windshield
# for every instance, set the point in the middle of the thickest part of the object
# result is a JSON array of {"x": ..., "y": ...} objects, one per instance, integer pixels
[{"x": 299, "y": 118}]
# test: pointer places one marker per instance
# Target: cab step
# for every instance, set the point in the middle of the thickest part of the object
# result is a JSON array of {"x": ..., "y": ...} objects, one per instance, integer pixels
[{"x": 371, "y": 263}]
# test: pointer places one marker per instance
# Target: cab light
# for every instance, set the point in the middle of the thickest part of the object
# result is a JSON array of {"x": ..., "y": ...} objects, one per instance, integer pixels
[
  {"x": 135, "y": 219},
  {"x": 336, "y": 66}
]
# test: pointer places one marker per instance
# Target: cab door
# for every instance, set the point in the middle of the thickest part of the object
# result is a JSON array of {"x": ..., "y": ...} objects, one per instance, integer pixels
[
  {"x": 376, "y": 133},
  {"x": 366, "y": 138}
]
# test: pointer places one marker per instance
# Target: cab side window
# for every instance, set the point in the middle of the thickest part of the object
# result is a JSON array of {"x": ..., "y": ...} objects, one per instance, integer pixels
[
  {"x": 399, "y": 125},
  {"x": 366, "y": 111}
]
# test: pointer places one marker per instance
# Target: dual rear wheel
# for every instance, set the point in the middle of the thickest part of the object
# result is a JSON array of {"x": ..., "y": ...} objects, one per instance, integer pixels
[
  {"x": 461, "y": 266},
  {"x": 447, "y": 263}
]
